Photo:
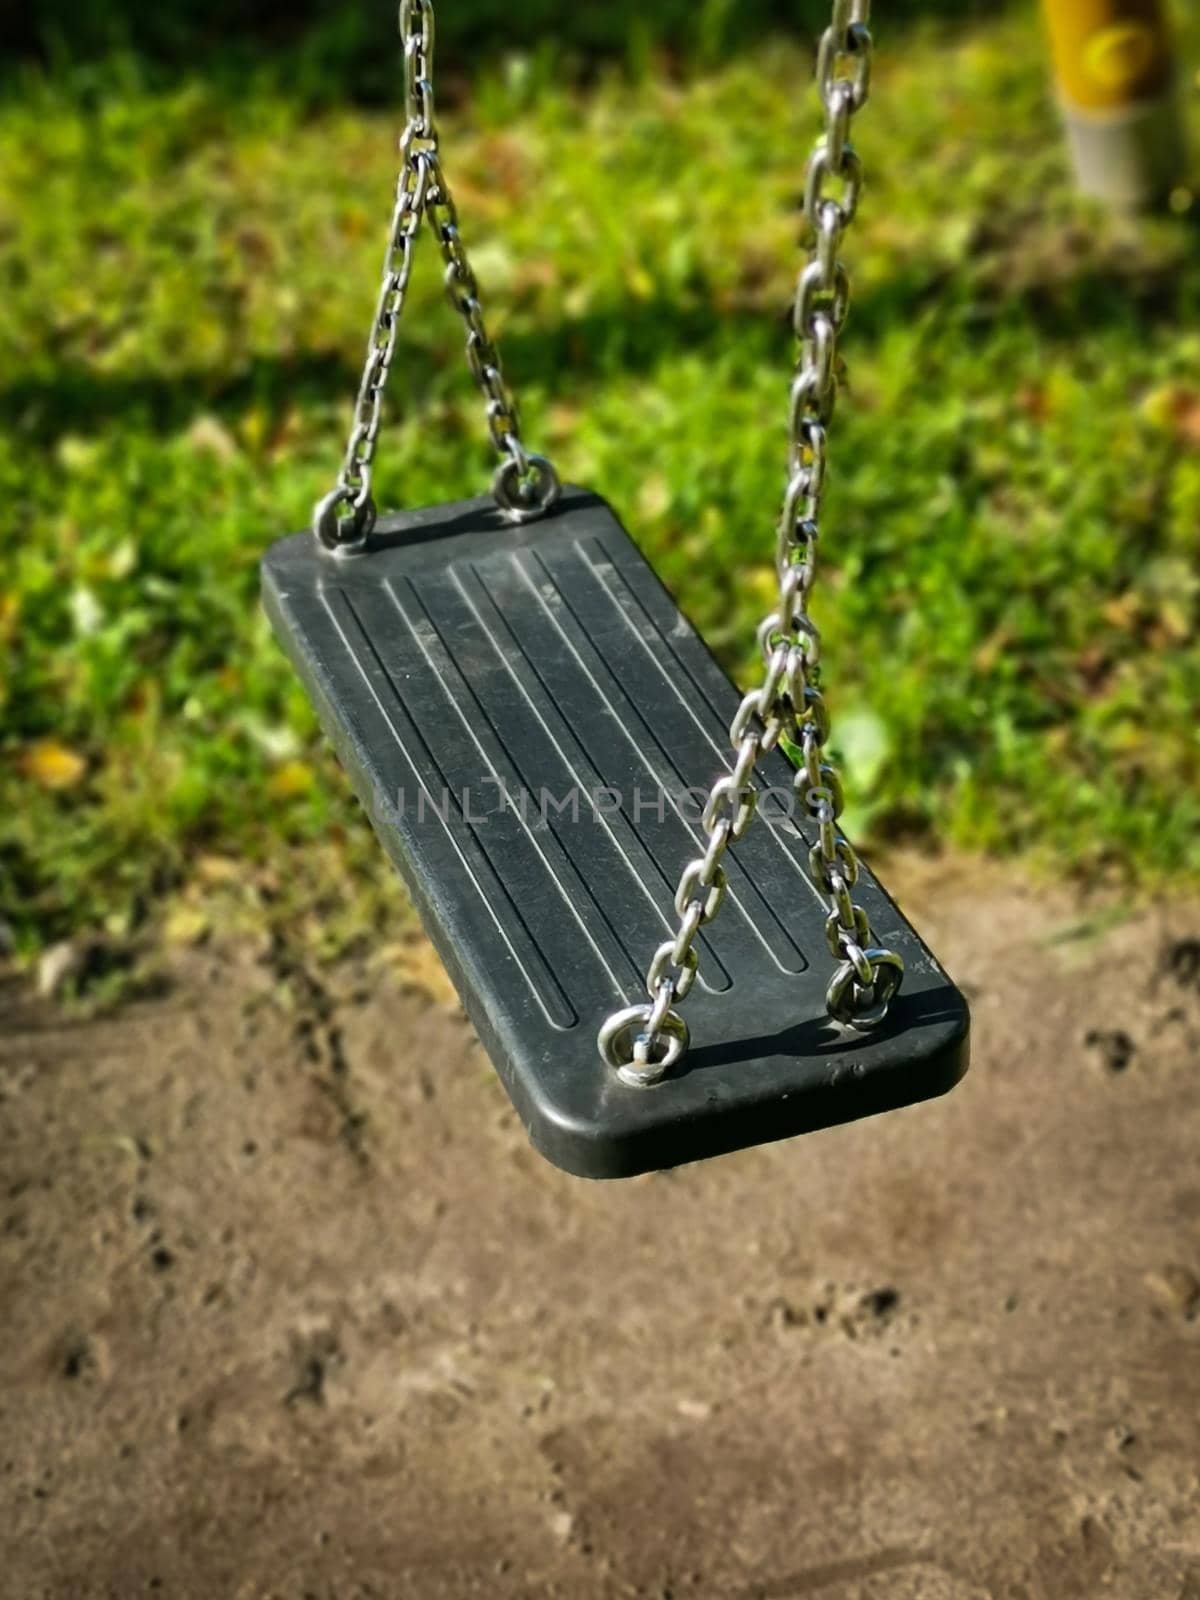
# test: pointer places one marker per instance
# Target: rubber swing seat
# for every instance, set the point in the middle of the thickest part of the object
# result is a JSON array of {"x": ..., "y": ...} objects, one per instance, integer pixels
[{"x": 520, "y": 711}]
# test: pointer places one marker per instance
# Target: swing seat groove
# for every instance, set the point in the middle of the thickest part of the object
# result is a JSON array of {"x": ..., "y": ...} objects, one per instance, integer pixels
[{"x": 531, "y": 725}]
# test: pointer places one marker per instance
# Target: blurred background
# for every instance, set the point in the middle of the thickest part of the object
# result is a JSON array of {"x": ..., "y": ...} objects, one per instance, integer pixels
[
  {"x": 193, "y": 201},
  {"x": 290, "y": 1306}
]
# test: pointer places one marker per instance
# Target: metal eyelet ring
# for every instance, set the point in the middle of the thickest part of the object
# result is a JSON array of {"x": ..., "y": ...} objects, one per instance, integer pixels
[
  {"x": 849, "y": 1002},
  {"x": 525, "y": 495},
  {"x": 616, "y": 1041},
  {"x": 328, "y": 525}
]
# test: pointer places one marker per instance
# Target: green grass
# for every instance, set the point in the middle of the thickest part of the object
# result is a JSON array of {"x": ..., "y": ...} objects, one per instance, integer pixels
[{"x": 1010, "y": 588}]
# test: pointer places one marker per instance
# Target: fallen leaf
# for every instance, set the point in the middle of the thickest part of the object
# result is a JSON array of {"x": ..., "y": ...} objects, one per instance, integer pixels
[
  {"x": 212, "y": 437},
  {"x": 76, "y": 454},
  {"x": 1122, "y": 610},
  {"x": 1176, "y": 1286},
  {"x": 59, "y": 966},
  {"x": 53, "y": 764},
  {"x": 291, "y": 779},
  {"x": 186, "y": 925},
  {"x": 654, "y": 497},
  {"x": 1175, "y": 409},
  {"x": 219, "y": 869},
  {"x": 274, "y": 739},
  {"x": 86, "y": 611}
]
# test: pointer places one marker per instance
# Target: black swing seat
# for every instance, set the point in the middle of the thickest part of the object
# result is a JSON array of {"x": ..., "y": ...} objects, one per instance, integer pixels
[{"x": 531, "y": 724}]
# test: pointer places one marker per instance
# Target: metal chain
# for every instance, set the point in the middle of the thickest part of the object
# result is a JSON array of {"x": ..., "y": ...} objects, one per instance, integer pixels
[
  {"x": 643, "y": 1042},
  {"x": 525, "y": 485}
]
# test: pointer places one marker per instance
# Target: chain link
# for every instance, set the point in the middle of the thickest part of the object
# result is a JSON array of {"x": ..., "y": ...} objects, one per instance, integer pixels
[
  {"x": 525, "y": 485},
  {"x": 642, "y": 1042}
]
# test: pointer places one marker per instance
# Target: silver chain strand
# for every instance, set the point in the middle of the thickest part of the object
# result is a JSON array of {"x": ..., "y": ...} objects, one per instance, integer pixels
[
  {"x": 525, "y": 485},
  {"x": 643, "y": 1042}
]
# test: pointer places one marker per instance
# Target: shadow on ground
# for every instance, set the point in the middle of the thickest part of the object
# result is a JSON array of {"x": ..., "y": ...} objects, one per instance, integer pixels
[{"x": 325, "y": 48}]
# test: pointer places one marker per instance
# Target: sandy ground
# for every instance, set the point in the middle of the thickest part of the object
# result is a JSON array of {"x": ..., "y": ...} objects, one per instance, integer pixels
[{"x": 289, "y": 1309}]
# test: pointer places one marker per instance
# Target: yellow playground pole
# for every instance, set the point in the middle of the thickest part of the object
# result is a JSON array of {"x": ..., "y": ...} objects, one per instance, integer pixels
[{"x": 1113, "y": 64}]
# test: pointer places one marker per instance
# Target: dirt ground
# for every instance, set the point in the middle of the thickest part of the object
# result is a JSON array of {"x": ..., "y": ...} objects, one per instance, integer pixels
[{"x": 289, "y": 1309}]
